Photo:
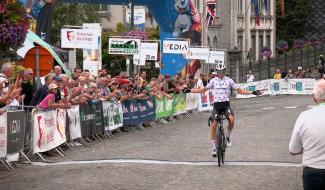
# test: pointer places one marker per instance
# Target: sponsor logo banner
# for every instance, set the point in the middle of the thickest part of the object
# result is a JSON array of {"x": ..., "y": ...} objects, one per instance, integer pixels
[
  {"x": 138, "y": 111},
  {"x": 74, "y": 122},
  {"x": 217, "y": 57},
  {"x": 198, "y": 53},
  {"x": 3, "y": 135},
  {"x": 175, "y": 46},
  {"x": 16, "y": 131},
  {"x": 80, "y": 38},
  {"x": 49, "y": 130},
  {"x": 123, "y": 46},
  {"x": 164, "y": 107},
  {"x": 113, "y": 115}
]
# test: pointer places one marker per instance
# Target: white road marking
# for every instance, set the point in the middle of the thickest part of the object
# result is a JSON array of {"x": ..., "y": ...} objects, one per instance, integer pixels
[
  {"x": 291, "y": 107},
  {"x": 310, "y": 106},
  {"x": 159, "y": 162},
  {"x": 268, "y": 108}
]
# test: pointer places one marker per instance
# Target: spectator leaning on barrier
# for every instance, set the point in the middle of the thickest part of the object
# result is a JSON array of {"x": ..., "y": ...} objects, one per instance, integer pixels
[
  {"x": 308, "y": 139},
  {"x": 27, "y": 86},
  {"x": 277, "y": 74},
  {"x": 300, "y": 73},
  {"x": 49, "y": 102},
  {"x": 289, "y": 75},
  {"x": 42, "y": 91}
]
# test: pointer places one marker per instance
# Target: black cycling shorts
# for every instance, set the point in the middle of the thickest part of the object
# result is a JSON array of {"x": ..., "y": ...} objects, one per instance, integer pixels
[{"x": 221, "y": 108}]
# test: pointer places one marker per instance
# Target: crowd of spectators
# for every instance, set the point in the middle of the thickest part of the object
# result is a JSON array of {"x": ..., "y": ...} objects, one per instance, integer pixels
[{"x": 62, "y": 91}]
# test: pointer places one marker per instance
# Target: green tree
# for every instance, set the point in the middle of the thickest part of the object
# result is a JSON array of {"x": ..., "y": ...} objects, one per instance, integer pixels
[
  {"x": 72, "y": 14},
  {"x": 293, "y": 25}
]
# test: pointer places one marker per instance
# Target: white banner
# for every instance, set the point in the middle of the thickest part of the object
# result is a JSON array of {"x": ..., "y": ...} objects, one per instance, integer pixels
[
  {"x": 139, "y": 16},
  {"x": 175, "y": 46},
  {"x": 123, "y": 46},
  {"x": 49, "y": 130},
  {"x": 74, "y": 122},
  {"x": 80, "y": 38},
  {"x": 92, "y": 58},
  {"x": 198, "y": 53},
  {"x": 148, "y": 51},
  {"x": 216, "y": 57},
  {"x": 113, "y": 115},
  {"x": 278, "y": 87},
  {"x": 252, "y": 86},
  {"x": 192, "y": 101},
  {"x": 3, "y": 135}
]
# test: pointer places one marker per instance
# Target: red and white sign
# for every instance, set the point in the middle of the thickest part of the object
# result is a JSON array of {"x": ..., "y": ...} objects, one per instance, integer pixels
[
  {"x": 49, "y": 130},
  {"x": 3, "y": 135},
  {"x": 80, "y": 38}
]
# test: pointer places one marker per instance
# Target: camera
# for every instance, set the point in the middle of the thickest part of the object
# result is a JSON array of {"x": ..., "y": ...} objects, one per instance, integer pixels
[{"x": 5, "y": 83}]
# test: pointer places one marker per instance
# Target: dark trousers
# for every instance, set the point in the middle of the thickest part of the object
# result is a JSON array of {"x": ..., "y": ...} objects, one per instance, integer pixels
[{"x": 313, "y": 179}]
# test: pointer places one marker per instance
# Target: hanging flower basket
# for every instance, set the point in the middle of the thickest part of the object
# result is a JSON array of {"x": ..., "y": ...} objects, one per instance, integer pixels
[
  {"x": 136, "y": 33},
  {"x": 266, "y": 52},
  {"x": 282, "y": 46},
  {"x": 298, "y": 44},
  {"x": 13, "y": 26},
  {"x": 314, "y": 41}
]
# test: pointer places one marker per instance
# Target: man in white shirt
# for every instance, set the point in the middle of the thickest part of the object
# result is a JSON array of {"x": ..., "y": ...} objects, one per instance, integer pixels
[
  {"x": 308, "y": 139},
  {"x": 250, "y": 77}
]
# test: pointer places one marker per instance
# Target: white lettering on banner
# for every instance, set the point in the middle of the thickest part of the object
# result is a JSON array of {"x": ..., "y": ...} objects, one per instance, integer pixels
[
  {"x": 74, "y": 122},
  {"x": 113, "y": 115},
  {"x": 3, "y": 135},
  {"x": 198, "y": 53},
  {"x": 124, "y": 46},
  {"x": 175, "y": 47},
  {"x": 80, "y": 38},
  {"x": 49, "y": 130},
  {"x": 282, "y": 86},
  {"x": 216, "y": 57}
]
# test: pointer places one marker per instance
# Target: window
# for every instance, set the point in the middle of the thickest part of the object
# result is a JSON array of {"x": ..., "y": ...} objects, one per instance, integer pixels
[
  {"x": 240, "y": 42},
  {"x": 267, "y": 7},
  {"x": 268, "y": 41},
  {"x": 253, "y": 45},
  {"x": 240, "y": 6},
  {"x": 215, "y": 42},
  {"x": 217, "y": 8},
  {"x": 260, "y": 42}
]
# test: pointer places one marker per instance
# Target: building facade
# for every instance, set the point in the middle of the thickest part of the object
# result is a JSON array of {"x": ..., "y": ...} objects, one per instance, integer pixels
[
  {"x": 111, "y": 15},
  {"x": 235, "y": 27}
]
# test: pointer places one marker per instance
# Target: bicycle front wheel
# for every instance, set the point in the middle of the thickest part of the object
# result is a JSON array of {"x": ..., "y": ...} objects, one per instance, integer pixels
[{"x": 220, "y": 146}]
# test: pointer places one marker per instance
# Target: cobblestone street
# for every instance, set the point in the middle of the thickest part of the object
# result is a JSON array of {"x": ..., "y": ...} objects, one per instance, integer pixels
[{"x": 177, "y": 155}]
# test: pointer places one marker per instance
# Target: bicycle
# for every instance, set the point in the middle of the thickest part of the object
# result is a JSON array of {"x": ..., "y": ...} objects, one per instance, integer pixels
[{"x": 222, "y": 143}]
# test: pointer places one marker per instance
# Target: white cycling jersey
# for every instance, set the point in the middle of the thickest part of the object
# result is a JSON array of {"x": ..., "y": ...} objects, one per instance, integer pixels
[{"x": 221, "y": 88}]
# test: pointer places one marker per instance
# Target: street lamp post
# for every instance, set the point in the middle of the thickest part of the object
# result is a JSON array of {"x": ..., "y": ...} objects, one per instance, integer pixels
[{"x": 131, "y": 66}]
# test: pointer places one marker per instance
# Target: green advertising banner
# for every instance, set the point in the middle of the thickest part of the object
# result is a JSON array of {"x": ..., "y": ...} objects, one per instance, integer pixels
[
  {"x": 179, "y": 104},
  {"x": 164, "y": 107}
]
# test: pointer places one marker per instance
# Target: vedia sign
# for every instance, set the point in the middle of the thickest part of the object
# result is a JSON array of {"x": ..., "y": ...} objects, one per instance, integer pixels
[
  {"x": 123, "y": 46},
  {"x": 175, "y": 47}
]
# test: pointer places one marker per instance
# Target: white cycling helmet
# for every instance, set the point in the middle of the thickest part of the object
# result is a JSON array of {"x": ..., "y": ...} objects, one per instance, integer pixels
[{"x": 220, "y": 65}]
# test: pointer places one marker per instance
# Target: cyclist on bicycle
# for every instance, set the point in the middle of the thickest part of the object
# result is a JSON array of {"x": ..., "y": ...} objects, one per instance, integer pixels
[{"x": 221, "y": 86}]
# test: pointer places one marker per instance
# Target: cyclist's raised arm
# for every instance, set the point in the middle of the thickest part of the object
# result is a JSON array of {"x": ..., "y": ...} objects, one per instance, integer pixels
[
  {"x": 242, "y": 91},
  {"x": 199, "y": 90}
]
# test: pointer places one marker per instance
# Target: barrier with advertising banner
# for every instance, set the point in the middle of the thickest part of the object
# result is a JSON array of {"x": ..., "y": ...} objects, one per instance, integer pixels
[
  {"x": 74, "y": 122},
  {"x": 49, "y": 130},
  {"x": 113, "y": 115},
  {"x": 179, "y": 104},
  {"x": 164, "y": 107},
  {"x": 192, "y": 101},
  {"x": 204, "y": 101},
  {"x": 3, "y": 135},
  {"x": 278, "y": 87},
  {"x": 91, "y": 119},
  {"x": 136, "y": 111},
  {"x": 16, "y": 127}
]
